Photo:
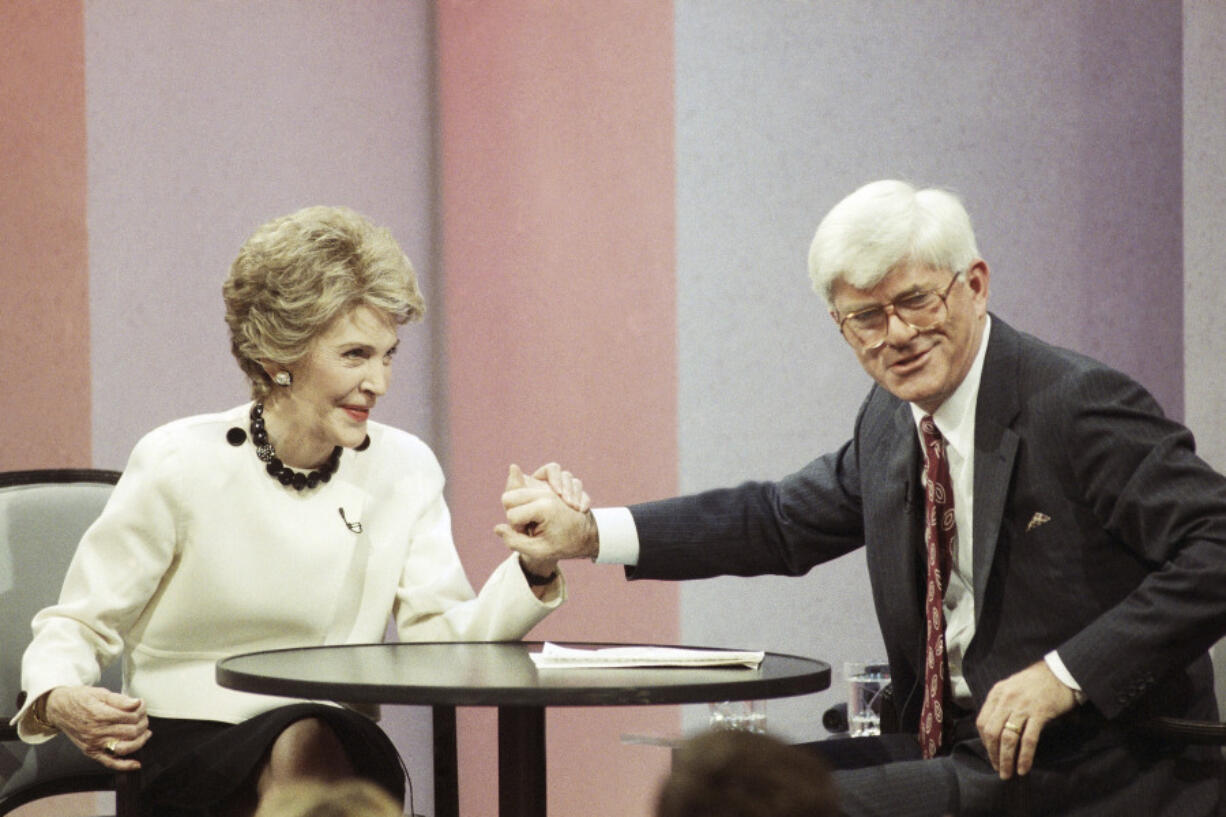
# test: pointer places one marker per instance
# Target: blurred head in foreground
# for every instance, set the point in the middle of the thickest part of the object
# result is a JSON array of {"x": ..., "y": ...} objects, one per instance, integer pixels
[
  {"x": 347, "y": 798},
  {"x": 728, "y": 773}
]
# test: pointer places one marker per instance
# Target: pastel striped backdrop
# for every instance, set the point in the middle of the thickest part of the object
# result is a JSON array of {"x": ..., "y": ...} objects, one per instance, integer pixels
[{"x": 609, "y": 205}]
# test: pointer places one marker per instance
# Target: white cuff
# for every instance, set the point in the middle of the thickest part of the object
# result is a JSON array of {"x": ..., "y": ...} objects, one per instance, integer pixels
[
  {"x": 619, "y": 538},
  {"x": 1065, "y": 677}
]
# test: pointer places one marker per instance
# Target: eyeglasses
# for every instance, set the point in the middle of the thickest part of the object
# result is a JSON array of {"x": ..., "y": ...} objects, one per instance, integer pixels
[{"x": 923, "y": 311}]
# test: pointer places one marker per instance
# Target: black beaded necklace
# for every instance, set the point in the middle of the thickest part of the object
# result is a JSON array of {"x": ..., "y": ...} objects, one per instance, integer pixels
[{"x": 278, "y": 470}]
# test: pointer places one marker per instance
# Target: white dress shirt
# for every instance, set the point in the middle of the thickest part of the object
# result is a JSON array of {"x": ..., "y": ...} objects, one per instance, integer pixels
[{"x": 955, "y": 419}]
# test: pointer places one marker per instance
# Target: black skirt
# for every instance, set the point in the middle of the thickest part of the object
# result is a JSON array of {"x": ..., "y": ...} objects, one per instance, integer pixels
[{"x": 190, "y": 766}]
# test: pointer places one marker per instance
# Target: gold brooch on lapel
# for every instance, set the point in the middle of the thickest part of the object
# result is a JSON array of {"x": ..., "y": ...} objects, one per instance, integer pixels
[{"x": 1038, "y": 519}]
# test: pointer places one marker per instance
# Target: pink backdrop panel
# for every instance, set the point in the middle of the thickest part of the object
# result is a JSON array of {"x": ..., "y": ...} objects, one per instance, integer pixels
[
  {"x": 44, "y": 279},
  {"x": 558, "y": 228}
]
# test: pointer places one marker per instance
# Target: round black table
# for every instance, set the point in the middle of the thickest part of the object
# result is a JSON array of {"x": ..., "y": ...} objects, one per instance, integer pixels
[{"x": 450, "y": 674}]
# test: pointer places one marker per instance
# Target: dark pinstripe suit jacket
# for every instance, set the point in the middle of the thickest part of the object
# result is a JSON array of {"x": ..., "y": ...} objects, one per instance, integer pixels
[{"x": 1098, "y": 532}]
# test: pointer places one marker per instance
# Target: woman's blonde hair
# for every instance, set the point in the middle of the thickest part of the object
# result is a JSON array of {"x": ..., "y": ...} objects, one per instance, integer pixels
[{"x": 298, "y": 273}]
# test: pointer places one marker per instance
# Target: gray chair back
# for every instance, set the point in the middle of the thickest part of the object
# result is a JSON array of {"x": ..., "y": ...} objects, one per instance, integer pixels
[{"x": 42, "y": 517}]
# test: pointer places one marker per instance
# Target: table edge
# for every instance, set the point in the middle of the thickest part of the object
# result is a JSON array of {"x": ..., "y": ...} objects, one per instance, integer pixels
[{"x": 630, "y": 695}]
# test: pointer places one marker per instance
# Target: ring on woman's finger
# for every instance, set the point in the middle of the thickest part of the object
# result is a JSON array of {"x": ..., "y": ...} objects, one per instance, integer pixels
[
  {"x": 111, "y": 746},
  {"x": 1013, "y": 727}
]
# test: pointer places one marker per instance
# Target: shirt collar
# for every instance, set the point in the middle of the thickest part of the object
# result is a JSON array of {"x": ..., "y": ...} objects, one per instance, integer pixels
[{"x": 955, "y": 418}]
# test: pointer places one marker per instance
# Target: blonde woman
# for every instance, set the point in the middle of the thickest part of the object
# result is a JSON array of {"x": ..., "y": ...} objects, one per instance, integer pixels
[{"x": 292, "y": 520}]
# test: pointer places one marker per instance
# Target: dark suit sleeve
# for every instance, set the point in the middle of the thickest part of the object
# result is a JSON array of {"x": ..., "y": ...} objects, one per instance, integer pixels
[
  {"x": 1137, "y": 474},
  {"x": 783, "y": 527}
]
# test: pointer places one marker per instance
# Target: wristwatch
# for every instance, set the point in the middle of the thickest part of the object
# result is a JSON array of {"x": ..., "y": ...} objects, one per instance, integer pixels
[{"x": 533, "y": 579}]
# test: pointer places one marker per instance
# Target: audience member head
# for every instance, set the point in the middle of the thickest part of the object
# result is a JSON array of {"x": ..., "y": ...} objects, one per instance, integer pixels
[
  {"x": 345, "y": 798},
  {"x": 729, "y": 773},
  {"x": 297, "y": 274},
  {"x": 887, "y": 224}
]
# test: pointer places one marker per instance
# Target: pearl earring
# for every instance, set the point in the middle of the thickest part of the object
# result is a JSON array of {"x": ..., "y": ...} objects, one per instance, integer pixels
[{"x": 283, "y": 378}]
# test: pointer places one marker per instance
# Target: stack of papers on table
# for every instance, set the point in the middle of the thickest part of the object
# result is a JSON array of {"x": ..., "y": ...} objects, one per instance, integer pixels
[{"x": 554, "y": 656}]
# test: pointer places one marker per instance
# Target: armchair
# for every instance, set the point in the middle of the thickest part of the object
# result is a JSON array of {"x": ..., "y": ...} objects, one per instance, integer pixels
[{"x": 42, "y": 517}]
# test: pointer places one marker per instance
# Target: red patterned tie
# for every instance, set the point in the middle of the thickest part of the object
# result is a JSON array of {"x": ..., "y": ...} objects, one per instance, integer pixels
[{"x": 941, "y": 539}]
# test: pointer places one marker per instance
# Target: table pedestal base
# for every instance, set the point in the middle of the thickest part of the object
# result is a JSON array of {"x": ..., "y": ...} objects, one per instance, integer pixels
[
  {"x": 446, "y": 775},
  {"x": 521, "y": 761}
]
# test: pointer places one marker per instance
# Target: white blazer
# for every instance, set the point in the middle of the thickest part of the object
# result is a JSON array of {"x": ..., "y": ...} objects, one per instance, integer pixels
[{"x": 199, "y": 555}]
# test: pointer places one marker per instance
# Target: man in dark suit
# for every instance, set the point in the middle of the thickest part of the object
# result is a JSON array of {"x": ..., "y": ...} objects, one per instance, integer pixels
[{"x": 1066, "y": 594}]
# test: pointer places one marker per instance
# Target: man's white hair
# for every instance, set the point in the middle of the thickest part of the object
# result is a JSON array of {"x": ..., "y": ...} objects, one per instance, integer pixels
[{"x": 887, "y": 224}]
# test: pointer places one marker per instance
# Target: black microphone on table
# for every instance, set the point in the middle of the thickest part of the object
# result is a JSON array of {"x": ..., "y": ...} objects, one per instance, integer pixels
[
  {"x": 835, "y": 719},
  {"x": 355, "y": 527}
]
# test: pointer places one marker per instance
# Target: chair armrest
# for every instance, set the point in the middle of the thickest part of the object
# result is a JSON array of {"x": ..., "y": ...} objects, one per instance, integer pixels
[
  {"x": 1186, "y": 731},
  {"x": 8, "y": 732}
]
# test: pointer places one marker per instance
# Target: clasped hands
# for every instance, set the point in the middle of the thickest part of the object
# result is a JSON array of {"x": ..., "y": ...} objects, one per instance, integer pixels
[{"x": 549, "y": 518}]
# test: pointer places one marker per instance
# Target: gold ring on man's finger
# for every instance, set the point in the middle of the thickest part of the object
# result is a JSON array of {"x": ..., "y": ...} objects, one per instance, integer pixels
[
  {"x": 1013, "y": 727},
  {"x": 111, "y": 746}
]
